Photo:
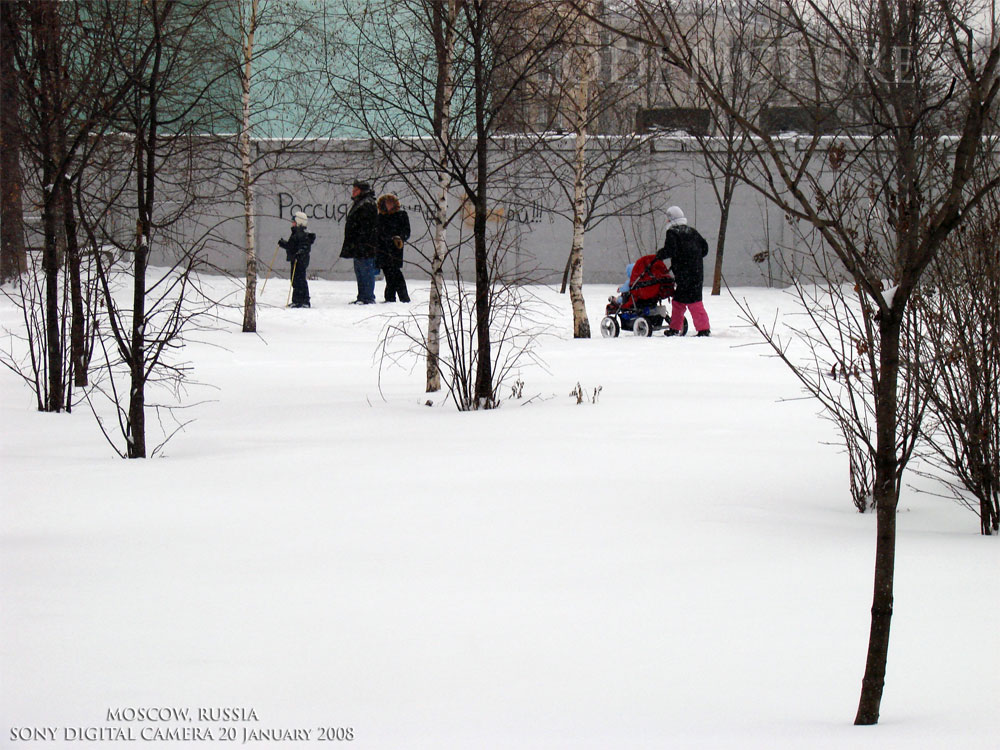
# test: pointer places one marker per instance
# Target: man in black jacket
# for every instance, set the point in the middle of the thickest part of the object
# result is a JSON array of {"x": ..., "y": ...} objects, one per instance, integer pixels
[
  {"x": 359, "y": 240},
  {"x": 297, "y": 248},
  {"x": 685, "y": 248}
]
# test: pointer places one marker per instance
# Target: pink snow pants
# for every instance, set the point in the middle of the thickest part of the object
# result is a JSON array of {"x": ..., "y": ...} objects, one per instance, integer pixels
[{"x": 698, "y": 315}]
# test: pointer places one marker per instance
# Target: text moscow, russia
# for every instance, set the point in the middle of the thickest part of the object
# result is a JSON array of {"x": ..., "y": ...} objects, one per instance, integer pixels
[{"x": 224, "y": 716}]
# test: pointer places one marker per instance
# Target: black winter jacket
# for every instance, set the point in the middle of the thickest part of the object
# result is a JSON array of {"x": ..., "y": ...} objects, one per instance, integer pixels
[
  {"x": 685, "y": 248},
  {"x": 297, "y": 246},
  {"x": 359, "y": 228},
  {"x": 396, "y": 224}
]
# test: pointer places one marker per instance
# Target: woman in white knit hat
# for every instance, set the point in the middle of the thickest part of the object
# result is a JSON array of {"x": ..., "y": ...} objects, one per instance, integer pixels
[
  {"x": 297, "y": 248},
  {"x": 686, "y": 249}
]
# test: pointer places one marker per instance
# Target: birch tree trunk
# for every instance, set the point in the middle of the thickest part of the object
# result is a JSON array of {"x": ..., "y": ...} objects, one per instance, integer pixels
[
  {"x": 584, "y": 63},
  {"x": 246, "y": 174},
  {"x": 444, "y": 40},
  {"x": 435, "y": 311}
]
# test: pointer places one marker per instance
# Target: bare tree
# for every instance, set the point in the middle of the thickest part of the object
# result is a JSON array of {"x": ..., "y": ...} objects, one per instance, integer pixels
[
  {"x": 960, "y": 315},
  {"x": 267, "y": 50},
  {"x": 505, "y": 46},
  {"x": 160, "y": 184},
  {"x": 516, "y": 329},
  {"x": 432, "y": 95},
  {"x": 249, "y": 21},
  {"x": 402, "y": 84},
  {"x": 588, "y": 173},
  {"x": 11, "y": 211},
  {"x": 57, "y": 111},
  {"x": 48, "y": 91},
  {"x": 69, "y": 89},
  {"x": 915, "y": 100},
  {"x": 734, "y": 34},
  {"x": 443, "y": 18},
  {"x": 832, "y": 347},
  {"x": 582, "y": 44}
]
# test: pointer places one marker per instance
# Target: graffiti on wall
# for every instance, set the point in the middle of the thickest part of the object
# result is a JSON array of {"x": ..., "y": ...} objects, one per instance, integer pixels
[
  {"x": 287, "y": 206},
  {"x": 504, "y": 213},
  {"x": 531, "y": 213}
]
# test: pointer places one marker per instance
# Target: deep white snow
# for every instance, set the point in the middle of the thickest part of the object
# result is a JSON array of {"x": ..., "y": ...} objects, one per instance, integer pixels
[{"x": 677, "y": 565}]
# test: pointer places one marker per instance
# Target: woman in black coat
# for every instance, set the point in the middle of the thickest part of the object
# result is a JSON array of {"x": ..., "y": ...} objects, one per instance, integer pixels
[
  {"x": 392, "y": 230},
  {"x": 686, "y": 249}
]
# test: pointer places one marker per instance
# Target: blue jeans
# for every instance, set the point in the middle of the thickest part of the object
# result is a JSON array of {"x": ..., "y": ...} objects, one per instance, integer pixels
[{"x": 364, "y": 270}]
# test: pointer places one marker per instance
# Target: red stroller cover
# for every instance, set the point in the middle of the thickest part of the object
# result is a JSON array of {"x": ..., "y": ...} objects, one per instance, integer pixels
[{"x": 650, "y": 281}]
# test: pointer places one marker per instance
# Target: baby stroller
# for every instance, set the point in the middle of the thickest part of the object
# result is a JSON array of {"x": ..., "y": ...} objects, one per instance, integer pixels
[{"x": 638, "y": 307}]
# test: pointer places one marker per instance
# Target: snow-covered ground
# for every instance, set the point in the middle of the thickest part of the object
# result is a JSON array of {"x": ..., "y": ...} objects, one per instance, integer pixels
[{"x": 677, "y": 565}]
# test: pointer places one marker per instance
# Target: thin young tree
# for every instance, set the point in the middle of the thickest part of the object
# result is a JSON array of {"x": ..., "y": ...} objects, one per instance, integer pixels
[
  {"x": 960, "y": 317},
  {"x": 498, "y": 67},
  {"x": 58, "y": 112},
  {"x": 582, "y": 43},
  {"x": 402, "y": 84},
  {"x": 443, "y": 18},
  {"x": 430, "y": 88},
  {"x": 600, "y": 175},
  {"x": 157, "y": 51},
  {"x": 43, "y": 71},
  {"x": 69, "y": 89},
  {"x": 144, "y": 118},
  {"x": 915, "y": 108},
  {"x": 734, "y": 65},
  {"x": 267, "y": 48},
  {"x": 249, "y": 21}
]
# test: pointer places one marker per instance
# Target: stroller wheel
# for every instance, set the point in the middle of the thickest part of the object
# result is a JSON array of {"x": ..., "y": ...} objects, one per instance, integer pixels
[
  {"x": 610, "y": 328},
  {"x": 642, "y": 327}
]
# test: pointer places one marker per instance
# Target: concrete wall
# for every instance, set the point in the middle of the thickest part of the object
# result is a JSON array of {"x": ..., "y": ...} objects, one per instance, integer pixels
[{"x": 530, "y": 227}]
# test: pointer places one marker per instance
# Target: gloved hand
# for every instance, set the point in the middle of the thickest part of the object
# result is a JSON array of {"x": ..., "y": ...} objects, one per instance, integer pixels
[{"x": 398, "y": 242}]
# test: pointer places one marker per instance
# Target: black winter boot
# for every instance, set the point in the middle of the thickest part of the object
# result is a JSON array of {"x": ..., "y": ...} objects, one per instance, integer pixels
[{"x": 706, "y": 332}]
